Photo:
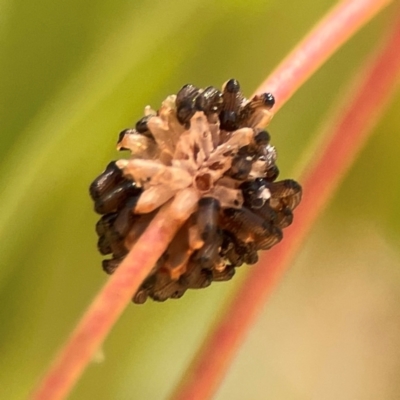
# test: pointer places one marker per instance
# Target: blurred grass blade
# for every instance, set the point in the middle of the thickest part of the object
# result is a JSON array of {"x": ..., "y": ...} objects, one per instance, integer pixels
[
  {"x": 45, "y": 145},
  {"x": 348, "y": 132}
]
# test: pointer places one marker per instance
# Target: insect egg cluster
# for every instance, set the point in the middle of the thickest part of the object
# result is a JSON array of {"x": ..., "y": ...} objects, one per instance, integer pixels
[{"x": 211, "y": 146}]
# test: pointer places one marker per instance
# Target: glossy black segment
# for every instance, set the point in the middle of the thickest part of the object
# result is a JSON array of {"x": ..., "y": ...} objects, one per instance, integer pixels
[
  {"x": 207, "y": 218},
  {"x": 241, "y": 167},
  {"x": 114, "y": 198},
  {"x": 185, "y": 112},
  {"x": 247, "y": 151},
  {"x": 118, "y": 248},
  {"x": 293, "y": 201},
  {"x": 262, "y": 138},
  {"x": 106, "y": 181},
  {"x": 252, "y": 193},
  {"x": 232, "y": 96},
  {"x": 268, "y": 99},
  {"x": 141, "y": 125},
  {"x": 140, "y": 296},
  {"x": 268, "y": 241},
  {"x": 284, "y": 218},
  {"x": 112, "y": 242},
  {"x": 149, "y": 282},
  {"x": 145, "y": 289},
  {"x": 228, "y": 250},
  {"x": 247, "y": 252},
  {"x": 267, "y": 213},
  {"x": 243, "y": 248},
  {"x": 288, "y": 191},
  {"x": 196, "y": 278},
  {"x": 252, "y": 187},
  {"x": 209, "y": 101},
  {"x": 272, "y": 173},
  {"x": 165, "y": 289},
  {"x": 187, "y": 91},
  {"x": 242, "y": 223},
  {"x": 207, "y": 221},
  {"x": 232, "y": 86},
  {"x": 251, "y": 256},
  {"x": 209, "y": 202},
  {"x": 105, "y": 223},
  {"x": 208, "y": 254},
  {"x": 143, "y": 131},
  {"x": 255, "y": 105},
  {"x": 228, "y": 120},
  {"x": 225, "y": 275},
  {"x": 237, "y": 252},
  {"x": 247, "y": 226},
  {"x": 109, "y": 266},
  {"x": 229, "y": 116},
  {"x": 287, "y": 187},
  {"x": 257, "y": 204},
  {"x": 234, "y": 258},
  {"x": 178, "y": 293},
  {"x": 103, "y": 245},
  {"x": 123, "y": 133},
  {"x": 126, "y": 218},
  {"x": 185, "y": 103}
]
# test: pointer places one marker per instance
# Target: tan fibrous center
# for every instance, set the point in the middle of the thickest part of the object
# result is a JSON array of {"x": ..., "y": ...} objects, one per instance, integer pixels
[{"x": 203, "y": 182}]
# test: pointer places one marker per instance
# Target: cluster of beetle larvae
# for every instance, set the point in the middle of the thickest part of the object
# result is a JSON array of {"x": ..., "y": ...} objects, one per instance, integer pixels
[{"x": 206, "y": 152}]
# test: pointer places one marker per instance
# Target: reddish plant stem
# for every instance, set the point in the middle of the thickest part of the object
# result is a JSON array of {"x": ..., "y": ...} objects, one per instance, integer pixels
[
  {"x": 324, "y": 39},
  {"x": 116, "y": 294},
  {"x": 345, "y": 140},
  {"x": 109, "y": 304}
]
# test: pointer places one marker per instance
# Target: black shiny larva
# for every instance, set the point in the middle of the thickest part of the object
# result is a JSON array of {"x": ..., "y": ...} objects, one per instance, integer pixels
[
  {"x": 262, "y": 138},
  {"x": 106, "y": 181},
  {"x": 186, "y": 103},
  {"x": 112, "y": 199},
  {"x": 229, "y": 116},
  {"x": 209, "y": 101}
]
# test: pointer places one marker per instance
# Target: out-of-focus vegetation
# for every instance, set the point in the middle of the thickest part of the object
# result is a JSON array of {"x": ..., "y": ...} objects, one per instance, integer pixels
[{"x": 72, "y": 75}]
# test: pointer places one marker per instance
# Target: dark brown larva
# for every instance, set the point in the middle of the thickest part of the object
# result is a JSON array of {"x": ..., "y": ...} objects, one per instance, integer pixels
[{"x": 213, "y": 143}]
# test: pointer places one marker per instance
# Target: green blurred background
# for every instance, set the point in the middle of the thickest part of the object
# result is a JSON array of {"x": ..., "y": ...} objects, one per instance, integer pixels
[{"x": 75, "y": 73}]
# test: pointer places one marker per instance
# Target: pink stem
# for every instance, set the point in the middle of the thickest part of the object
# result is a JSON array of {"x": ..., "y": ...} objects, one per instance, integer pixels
[
  {"x": 324, "y": 39},
  {"x": 107, "y": 307},
  {"x": 346, "y": 139},
  {"x": 116, "y": 294}
]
